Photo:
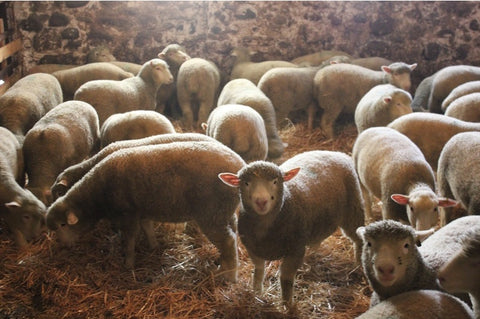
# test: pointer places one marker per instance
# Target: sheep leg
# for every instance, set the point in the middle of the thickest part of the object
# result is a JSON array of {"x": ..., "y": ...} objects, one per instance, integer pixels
[
  {"x": 187, "y": 112},
  {"x": 445, "y": 191},
  {"x": 147, "y": 226},
  {"x": 203, "y": 112},
  {"x": 288, "y": 270},
  {"x": 311, "y": 115},
  {"x": 329, "y": 117},
  {"x": 258, "y": 273},
  {"x": 130, "y": 231},
  {"x": 367, "y": 198}
]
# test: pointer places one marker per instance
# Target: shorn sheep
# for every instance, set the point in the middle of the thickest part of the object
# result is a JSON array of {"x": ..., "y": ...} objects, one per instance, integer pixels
[
  {"x": 459, "y": 91},
  {"x": 66, "y": 135},
  {"x": 137, "y": 93},
  {"x": 244, "y": 92},
  {"x": 458, "y": 173},
  {"x": 302, "y": 202},
  {"x": 393, "y": 169},
  {"x": 465, "y": 108},
  {"x": 241, "y": 128},
  {"x": 338, "y": 88},
  {"x": 184, "y": 190}
]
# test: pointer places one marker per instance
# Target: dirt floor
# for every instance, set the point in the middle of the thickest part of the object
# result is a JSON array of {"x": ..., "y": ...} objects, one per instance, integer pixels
[{"x": 178, "y": 280}]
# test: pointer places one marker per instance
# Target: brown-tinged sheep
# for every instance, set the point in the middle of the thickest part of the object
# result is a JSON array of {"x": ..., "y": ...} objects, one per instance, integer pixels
[
  {"x": 100, "y": 54},
  {"x": 30, "y": 98},
  {"x": 198, "y": 84},
  {"x": 465, "y": 108},
  {"x": 65, "y": 136},
  {"x": 184, "y": 190},
  {"x": 373, "y": 63},
  {"x": 317, "y": 58},
  {"x": 338, "y": 88},
  {"x": 136, "y": 93},
  {"x": 244, "y": 92},
  {"x": 430, "y": 132},
  {"x": 241, "y": 128},
  {"x": 299, "y": 203},
  {"x": 21, "y": 210},
  {"x": 420, "y": 98},
  {"x": 459, "y": 91},
  {"x": 393, "y": 169},
  {"x": 50, "y": 68},
  {"x": 381, "y": 105},
  {"x": 134, "y": 125}
]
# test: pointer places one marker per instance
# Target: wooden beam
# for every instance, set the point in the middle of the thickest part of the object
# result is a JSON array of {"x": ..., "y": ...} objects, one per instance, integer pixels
[{"x": 10, "y": 49}]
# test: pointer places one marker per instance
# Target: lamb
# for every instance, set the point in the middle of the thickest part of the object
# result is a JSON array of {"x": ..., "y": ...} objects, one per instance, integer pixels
[
  {"x": 465, "y": 108},
  {"x": 24, "y": 103},
  {"x": 66, "y": 135},
  {"x": 381, "y": 105},
  {"x": 20, "y": 209},
  {"x": 244, "y": 92},
  {"x": 391, "y": 261},
  {"x": 139, "y": 92},
  {"x": 71, "y": 79},
  {"x": 198, "y": 84},
  {"x": 420, "y": 304},
  {"x": 317, "y": 58},
  {"x": 392, "y": 168},
  {"x": 431, "y": 131},
  {"x": 134, "y": 125},
  {"x": 290, "y": 89},
  {"x": 66, "y": 179},
  {"x": 244, "y": 68},
  {"x": 338, "y": 88},
  {"x": 241, "y": 128},
  {"x": 196, "y": 196},
  {"x": 458, "y": 171},
  {"x": 459, "y": 91},
  {"x": 299, "y": 203}
]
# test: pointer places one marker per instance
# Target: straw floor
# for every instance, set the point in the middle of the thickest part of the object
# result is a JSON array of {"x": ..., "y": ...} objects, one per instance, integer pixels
[{"x": 179, "y": 279}]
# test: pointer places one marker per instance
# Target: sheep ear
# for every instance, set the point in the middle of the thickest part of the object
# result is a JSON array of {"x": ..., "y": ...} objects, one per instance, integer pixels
[
  {"x": 63, "y": 182},
  {"x": 361, "y": 232},
  {"x": 229, "y": 179},
  {"x": 72, "y": 219},
  {"x": 290, "y": 174},
  {"x": 400, "y": 199},
  {"x": 446, "y": 202},
  {"x": 386, "y": 69},
  {"x": 387, "y": 99},
  {"x": 161, "y": 55},
  {"x": 204, "y": 126},
  {"x": 412, "y": 66},
  {"x": 12, "y": 204}
]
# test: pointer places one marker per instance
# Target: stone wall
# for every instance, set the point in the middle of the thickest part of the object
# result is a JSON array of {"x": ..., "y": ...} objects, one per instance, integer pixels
[{"x": 432, "y": 34}]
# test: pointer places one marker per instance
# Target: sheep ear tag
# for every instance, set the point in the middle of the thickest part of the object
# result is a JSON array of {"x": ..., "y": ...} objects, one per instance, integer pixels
[
  {"x": 400, "y": 199},
  {"x": 229, "y": 179},
  {"x": 290, "y": 174}
]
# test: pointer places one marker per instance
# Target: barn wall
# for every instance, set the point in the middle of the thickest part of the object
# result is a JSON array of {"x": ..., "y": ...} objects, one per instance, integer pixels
[{"x": 432, "y": 34}]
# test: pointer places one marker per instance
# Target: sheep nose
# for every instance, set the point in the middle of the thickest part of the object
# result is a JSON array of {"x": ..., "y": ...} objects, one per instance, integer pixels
[
  {"x": 261, "y": 203},
  {"x": 386, "y": 270}
]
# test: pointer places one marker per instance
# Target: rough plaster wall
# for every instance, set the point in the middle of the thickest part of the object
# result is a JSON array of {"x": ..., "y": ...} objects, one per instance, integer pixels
[{"x": 432, "y": 34}]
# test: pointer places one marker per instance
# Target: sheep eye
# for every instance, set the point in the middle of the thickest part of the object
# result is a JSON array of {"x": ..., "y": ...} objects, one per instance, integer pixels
[
  {"x": 246, "y": 183},
  {"x": 63, "y": 224},
  {"x": 435, "y": 209},
  {"x": 411, "y": 208},
  {"x": 272, "y": 198},
  {"x": 275, "y": 182},
  {"x": 369, "y": 244},
  {"x": 406, "y": 246}
]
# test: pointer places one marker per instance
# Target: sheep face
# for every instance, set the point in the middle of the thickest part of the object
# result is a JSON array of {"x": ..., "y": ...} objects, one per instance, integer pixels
[
  {"x": 174, "y": 55},
  {"x": 64, "y": 221},
  {"x": 399, "y": 103},
  {"x": 160, "y": 72},
  {"x": 398, "y": 74}
]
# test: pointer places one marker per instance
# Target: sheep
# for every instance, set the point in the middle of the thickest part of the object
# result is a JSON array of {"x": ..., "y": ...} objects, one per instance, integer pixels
[
  {"x": 420, "y": 304},
  {"x": 430, "y": 132},
  {"x": 49, "y": 68},
  {"x": 373, "y": 63},
  {"x": 317, "y": 58},
  {"x": 66, "y": 135},
  {"x": 301, "y": 202},
  {"x": 461, "y": 272},
  {"x": 100, "y": 54},
  {"x": 458, "y": 172},
  {"x": 241, "y": 128},
  {"x": 20, "y": 209},
  {"x": 244, "y": 68},
  {"x": 244, "y": 92},
  {"x": 459, "y": 91},
  {"x": 381, "y": 105},
  {"x": 420, "y": 98},
  {"x": 134, "y": 125},
  {"x": 198, "y": 84},
  {"x": 71, "y": 79},
  {"x": 184, "y": 190},
  {"x": 465, "y": 108},
  {"x": 338, "y": 88},
  {"x": 290, "y": 89},
  {"x": 66, "y": 179},
  {"x": 24, "y": 103},
  {"x": 392, "y": 168},
  {"x": 445, "y": 80},
  {"x": 139, "y": 92}
]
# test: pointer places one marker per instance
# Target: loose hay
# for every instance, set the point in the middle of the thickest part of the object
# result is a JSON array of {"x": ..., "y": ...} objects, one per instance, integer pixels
[{"x": 179, "y": 279}]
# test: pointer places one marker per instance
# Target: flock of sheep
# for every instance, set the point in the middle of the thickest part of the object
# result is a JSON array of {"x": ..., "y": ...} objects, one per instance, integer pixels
[{"x": 84, "y": 143}]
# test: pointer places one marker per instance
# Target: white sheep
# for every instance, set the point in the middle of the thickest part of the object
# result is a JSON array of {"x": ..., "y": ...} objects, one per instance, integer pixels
[
  {"x": 198, "y": 84},
  {"x": 299, "y": 203},
  {"x": 244, "y": 68},
  {"x": 66, "y": 135},
  {"x": 244, "y": 92},
  {"x": 317, "y": 58},
  {"x": 134, "y": 125},
  {"x": 373, "y": 63},
  {"x": 459, "y": 91},
  {"x": 338, "y": 88},
  {"x": 430, "y": 132},
  {"x": 393, "y": 169},
  {"x": 241, "y": 128},
  {"x": 381, "y": 105},
  {"x": 458, "y": 173},
  {"x": 137, "y": 93},
  {"x": 465, "y": 108},
  {"x": 24, "y": 103},
  {"x": 143, "y": 177}
]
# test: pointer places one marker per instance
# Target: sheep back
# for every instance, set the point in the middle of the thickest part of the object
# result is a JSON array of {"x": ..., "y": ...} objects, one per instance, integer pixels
[
  {"x": 459, "y": 91},
  {"x": 465, "y": 108},
  {"x": 420, "y": 98},
  {"x": 317, "y": 58}
]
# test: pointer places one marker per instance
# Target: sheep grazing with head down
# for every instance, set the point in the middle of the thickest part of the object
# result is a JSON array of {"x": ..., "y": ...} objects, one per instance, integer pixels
[
  {"x": 391, "y": 261},
  {"x": 302, "y": 202},
  {"x": 136, "y": 93},
  {"x": 394, "y": 170}
]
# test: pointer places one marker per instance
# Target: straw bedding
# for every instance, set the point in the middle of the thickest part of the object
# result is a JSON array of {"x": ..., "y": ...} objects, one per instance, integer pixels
[{"x": 179, "y": 279}]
